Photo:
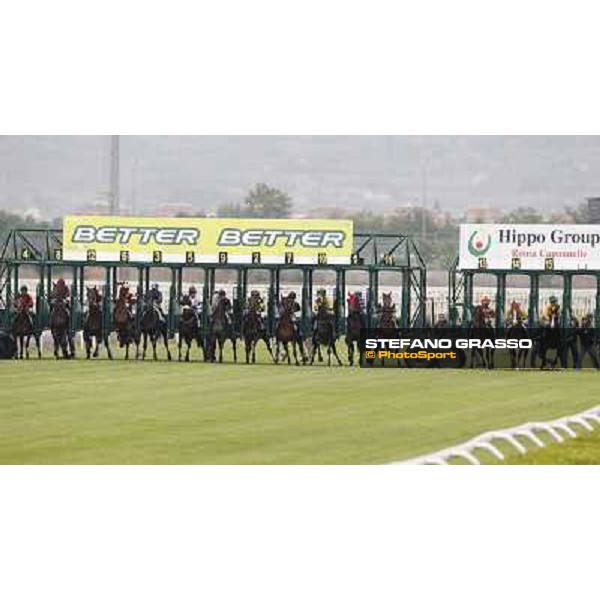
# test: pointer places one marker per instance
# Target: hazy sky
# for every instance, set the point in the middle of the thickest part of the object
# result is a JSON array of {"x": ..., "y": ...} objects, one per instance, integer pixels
[{"x": 56, "y": 174}]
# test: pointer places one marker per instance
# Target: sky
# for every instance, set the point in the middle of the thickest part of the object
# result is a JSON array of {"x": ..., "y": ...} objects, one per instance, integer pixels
[{"x": 53, "y": 175}]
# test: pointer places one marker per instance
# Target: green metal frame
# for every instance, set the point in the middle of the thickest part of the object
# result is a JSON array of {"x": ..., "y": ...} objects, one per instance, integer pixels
[
  {"x": 373, "y": 254},
  {"x": 462, "y": 303}
]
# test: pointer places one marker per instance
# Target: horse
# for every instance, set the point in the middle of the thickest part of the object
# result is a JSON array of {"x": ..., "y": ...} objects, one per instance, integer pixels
[
  {"x": 516, "y": 330},
  {"x": 153, "y": 326},
  {"x": 324, "y": 335},
  {"x": 189, "y": 329},
  {"x": 93, "y": 325},
  {"x": 22, "y": 330},
  {"x": 253, "y": 331},
  {"x": 551, "y": 338},
  {"x": 221, "y": 330},
  {"x": 387, "y": 317},
  {"x": 59, "y": 328},
  {"x": 286, "y": 333},
  {"x": 124, "y": 323},
  {"x": 355, "y": 321},
  {"x": 483, "y": 330}
]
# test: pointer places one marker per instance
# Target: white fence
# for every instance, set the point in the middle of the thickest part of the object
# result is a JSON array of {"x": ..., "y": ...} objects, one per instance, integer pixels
[{"x": 558, "y": 430}]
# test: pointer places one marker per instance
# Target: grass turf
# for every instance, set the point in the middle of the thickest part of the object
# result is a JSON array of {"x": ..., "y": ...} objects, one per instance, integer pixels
[
  {"x": 80, "y": 412},
  {"x": 583, "y": 450}
]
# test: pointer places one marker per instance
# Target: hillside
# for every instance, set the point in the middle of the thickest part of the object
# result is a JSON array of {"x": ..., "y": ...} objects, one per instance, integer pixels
[{"x": 56, "y": 174}]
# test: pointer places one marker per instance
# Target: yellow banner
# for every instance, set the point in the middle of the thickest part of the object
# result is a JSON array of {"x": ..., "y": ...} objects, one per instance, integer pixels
[{"x": 207, "y": 241}]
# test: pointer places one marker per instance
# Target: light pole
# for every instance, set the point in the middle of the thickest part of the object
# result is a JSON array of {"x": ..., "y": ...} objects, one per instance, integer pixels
[
  {"x": 424, "y": 184},
  {"x": 133, "y": 184}
]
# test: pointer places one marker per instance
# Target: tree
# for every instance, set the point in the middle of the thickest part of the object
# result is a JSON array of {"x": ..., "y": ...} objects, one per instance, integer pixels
[
  {"x": 579, "y": 214},
  {"x": 230, "y": 211},
  {"x": 523, "y": 215},
  {"x": 264, "y": 201}
]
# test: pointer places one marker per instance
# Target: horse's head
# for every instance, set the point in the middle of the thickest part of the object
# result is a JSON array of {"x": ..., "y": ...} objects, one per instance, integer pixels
[
  {"x": 516, "y": 314},
  {"x": 93, "y": 296},
  {"x": 387, "y": 300}
]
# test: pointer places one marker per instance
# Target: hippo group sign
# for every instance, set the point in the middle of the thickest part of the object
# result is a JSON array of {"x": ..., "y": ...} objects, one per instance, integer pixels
[
  {"x": 207, "y": 241},
  {"x": 530, "y": 247}
]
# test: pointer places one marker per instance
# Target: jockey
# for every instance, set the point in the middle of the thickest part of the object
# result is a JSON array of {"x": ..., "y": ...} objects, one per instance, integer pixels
[
  {"x": 24, "y": 302},
  {"x": 296, "y": 309},
  {"x": 354, "y": 302},
  {"x": 255, "y": 300},
  {"x": 61, "y": 292},
  {"x": 194, "y": 300},
  {"x": 551, "y": 310},
  {"x": 155, "y": 297},
  {"x": 221, "y": 296},
  {"x": 322, "y": 301},
  {"x": 486, "y": 312}
]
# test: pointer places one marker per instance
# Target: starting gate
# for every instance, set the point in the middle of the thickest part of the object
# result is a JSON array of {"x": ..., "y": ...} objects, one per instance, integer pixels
[
  {"x": 38, "y": 254},
  {"x": 462, "y": 302}
]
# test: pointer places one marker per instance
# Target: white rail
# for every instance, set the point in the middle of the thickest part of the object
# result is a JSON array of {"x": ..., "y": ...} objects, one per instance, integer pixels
[{"x": 558, "y": 430}]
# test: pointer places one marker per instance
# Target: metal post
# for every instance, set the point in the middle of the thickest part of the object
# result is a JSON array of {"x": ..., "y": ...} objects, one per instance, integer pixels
[
  {"x": 534, "y": 299},
  {"x": 405, "y": 300},
  {"x": 16, "y": 279},
  {"x": 567, "y": 299},
  {"x": 467, "y": 315},
  {"x": 597, "y": 308},
  {"x": 500, "y": 299}
]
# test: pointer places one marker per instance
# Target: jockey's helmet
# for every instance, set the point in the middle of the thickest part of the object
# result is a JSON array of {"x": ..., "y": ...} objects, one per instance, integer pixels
[
  {"x": 155, "y": 286},
  {"x": 222, "y": 293},
  {"x": 24, "y": 289},
  {"x": 321, "y": 292},
  {"x": 254, "y": 293},
  {"x": 553, "y": 299},
  {"x": 192, "y": 290},
  {"x": 485, "y": 300},
  {"x": 292, "y": 295}
]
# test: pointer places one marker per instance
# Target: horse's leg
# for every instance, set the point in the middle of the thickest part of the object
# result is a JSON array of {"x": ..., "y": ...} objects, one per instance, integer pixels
[
  {"x": 145, "y": 346},
  {"x": 165, "y": 338},
  {"x": 248, "y": 348},
  {"x": 287, "y": 351},
  {"x": 64, "y": 343},
  {"x": 221, "y": 344},
  {"x": 295, "y": 351},
  {"x": 88, "y": 345},
  {"x": 179, "y": 347},
  {"x": 267, "y": 342},
  {"x": 315, "y": 348},
  {"x": 153, "y": 340},
  {"x": 127, "y": 351},
  {"x": 107, "y": 344},
  {"x": 188, "y": 342},
  {"x": 491, "y": 362},
  {"x": 36, "y": 337},
  {"x": 234, "y": 342},
  {"x": 335, "y": 353},
  {"x": 319, "y": 353},
  {"x": 97, "y": 350},
  {"x": 276, "y": 360},
  {"x": 350, "y": 347}
]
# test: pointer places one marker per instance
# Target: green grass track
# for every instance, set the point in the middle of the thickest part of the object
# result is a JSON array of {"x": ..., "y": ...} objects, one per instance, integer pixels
[{"x": 99, "y": 412}]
